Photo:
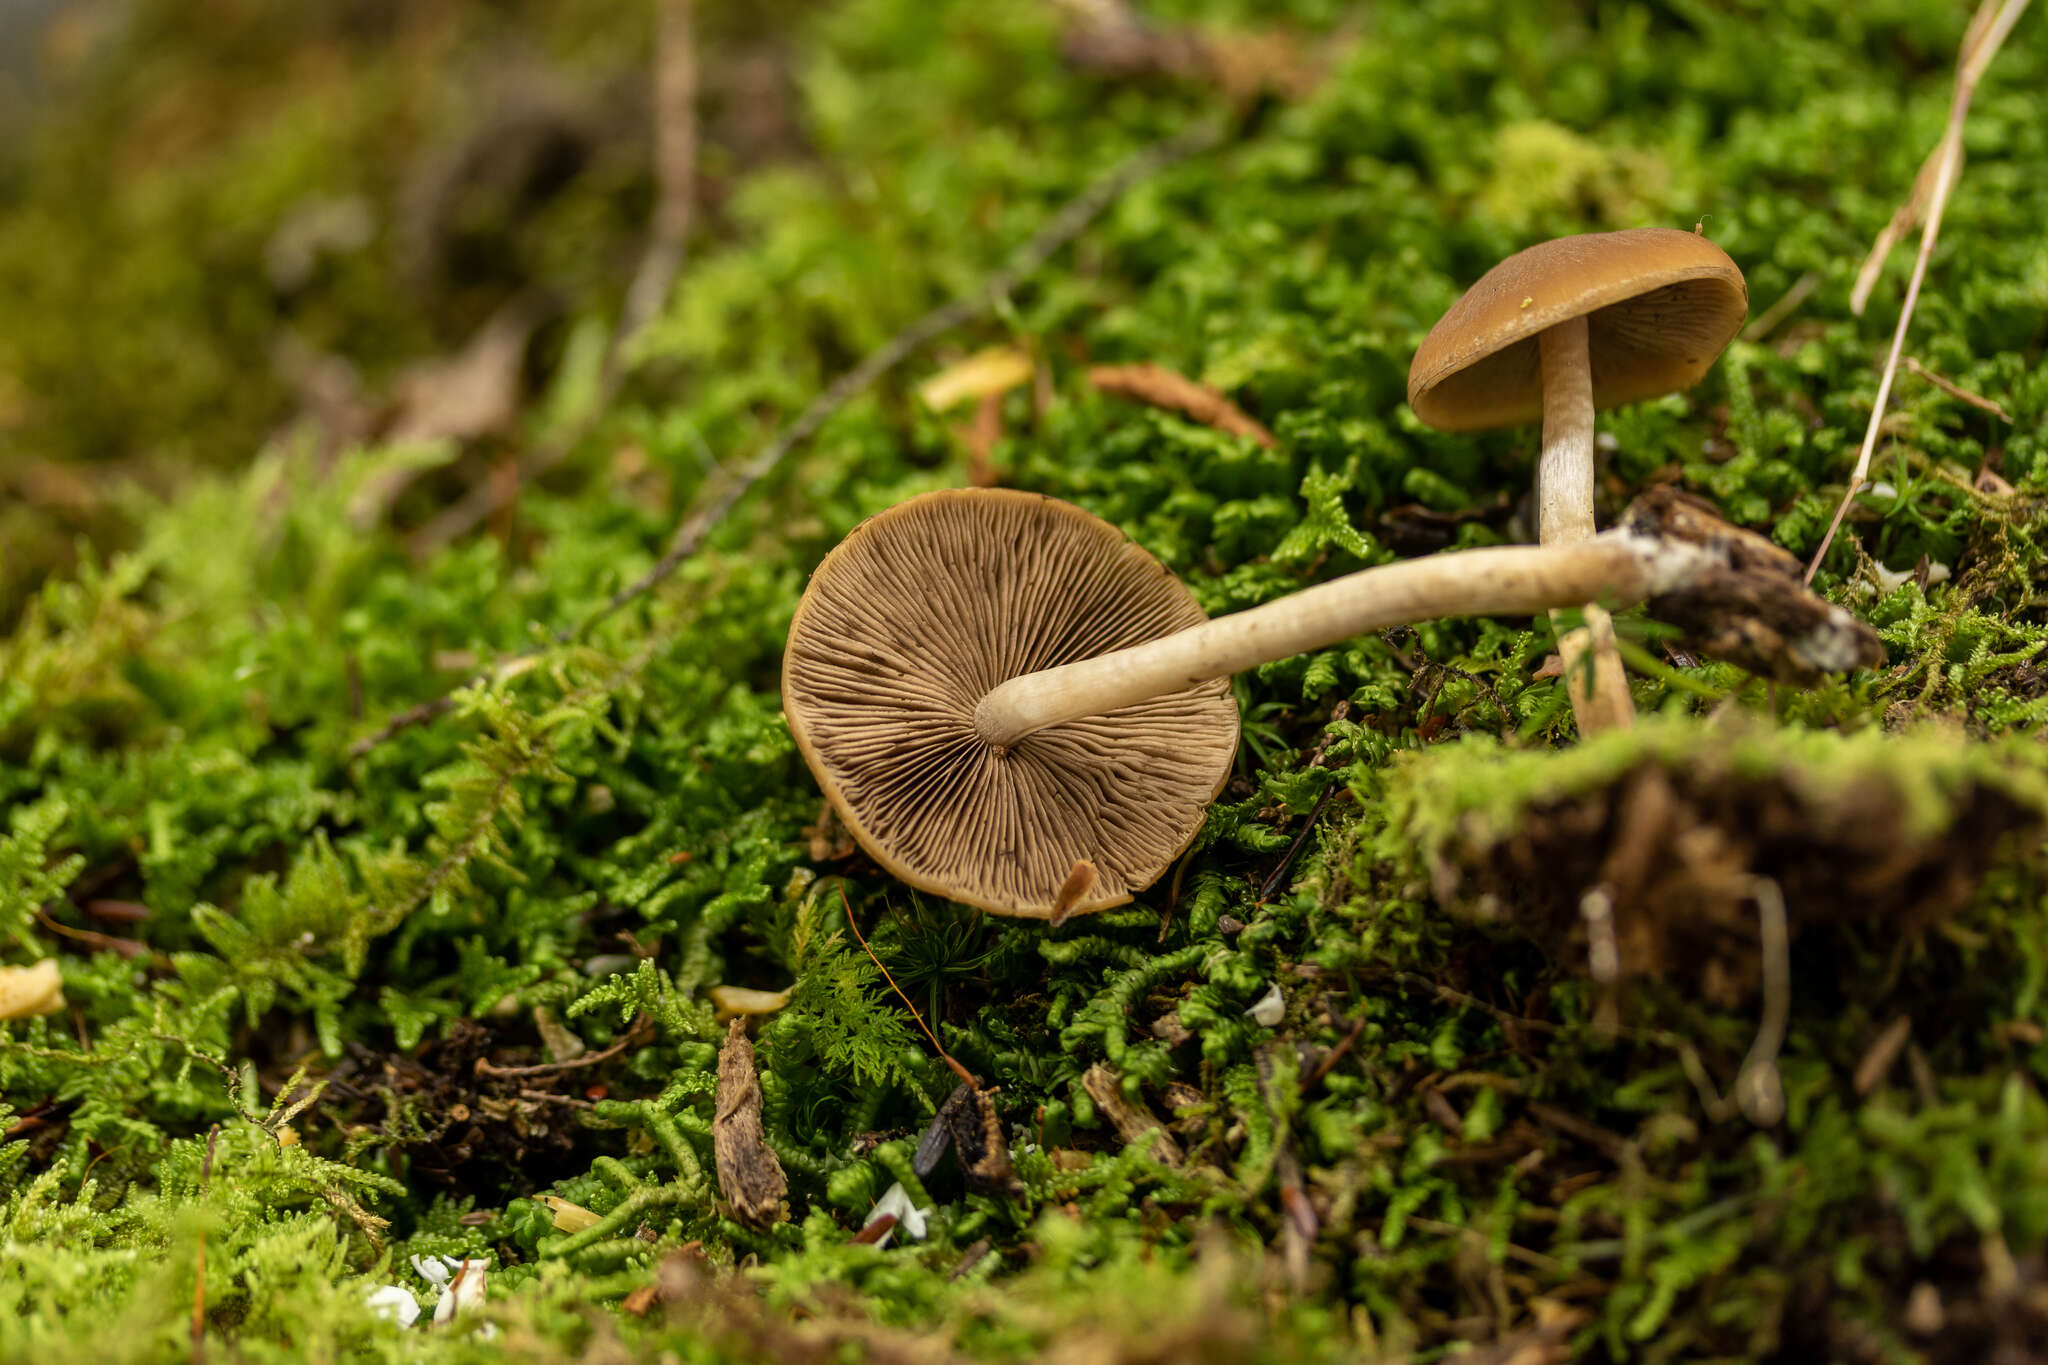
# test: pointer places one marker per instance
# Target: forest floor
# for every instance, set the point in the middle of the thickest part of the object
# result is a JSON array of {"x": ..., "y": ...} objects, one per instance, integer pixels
[{"x": 417, "y": 424}]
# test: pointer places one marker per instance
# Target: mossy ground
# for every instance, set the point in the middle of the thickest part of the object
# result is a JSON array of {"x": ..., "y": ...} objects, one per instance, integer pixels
[{"x": 1500, "y": 1154}]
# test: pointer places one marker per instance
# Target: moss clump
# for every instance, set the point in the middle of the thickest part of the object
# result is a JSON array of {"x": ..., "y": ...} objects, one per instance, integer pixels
[{"x": 1882, "y": 835}]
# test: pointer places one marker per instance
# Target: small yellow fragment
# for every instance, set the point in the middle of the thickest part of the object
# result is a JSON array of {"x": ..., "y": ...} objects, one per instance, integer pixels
[
  {"x": 996, "y": 369},
  {"x": 1526, "y": 302},
  {"x": 728, "y": 1001},
  {"x": 568, "y": 1217},
  {"x": 28, "y": 991}
]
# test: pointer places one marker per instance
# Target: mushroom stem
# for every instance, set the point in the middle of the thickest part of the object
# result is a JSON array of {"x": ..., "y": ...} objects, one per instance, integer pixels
[
  {"x": 1594, "y": 679},
  {"x": 1625, "y": 566}
]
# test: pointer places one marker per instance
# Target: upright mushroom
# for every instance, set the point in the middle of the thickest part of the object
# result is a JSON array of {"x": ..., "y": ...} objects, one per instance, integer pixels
[
  {"x": 994, "y": 688},
  {"x": 1556, "y": 332}
]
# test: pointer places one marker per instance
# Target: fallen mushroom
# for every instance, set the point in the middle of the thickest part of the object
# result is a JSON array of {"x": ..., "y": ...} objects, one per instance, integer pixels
[
  {"x": 992, "y": 686},
  {"x": 1554, "y": 333}
]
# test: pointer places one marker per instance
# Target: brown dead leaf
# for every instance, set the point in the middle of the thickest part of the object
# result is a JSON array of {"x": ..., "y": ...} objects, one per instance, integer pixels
[
  {"x": 748, "y": 1174},
  {"x": 1162, "y": 388}
]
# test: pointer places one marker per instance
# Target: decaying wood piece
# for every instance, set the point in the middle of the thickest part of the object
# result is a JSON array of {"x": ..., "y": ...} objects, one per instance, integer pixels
[
  {"x": 1162, "y": 388},
  {"x": 1132, "y": 1125},
  {"x": 749, "y": 1176},
  {"x": 968, "y": 1123}
]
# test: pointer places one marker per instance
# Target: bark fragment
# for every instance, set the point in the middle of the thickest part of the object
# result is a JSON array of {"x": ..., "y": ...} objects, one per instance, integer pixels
[{"x": 749, "y": 1176}]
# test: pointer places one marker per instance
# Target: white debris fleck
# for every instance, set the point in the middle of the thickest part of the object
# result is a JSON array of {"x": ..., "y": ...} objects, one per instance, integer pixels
[
  {"x": 461, "y": 1283},
  {"x": 909, "y": 1218},
  {"x": 1607, "y": 441},
  {"x": 1890, "y": 580},
  {"x": 1270, "y": 1007},
  {"x": 1881, "y": 489},
  {"x": 394, "y": 1303}
]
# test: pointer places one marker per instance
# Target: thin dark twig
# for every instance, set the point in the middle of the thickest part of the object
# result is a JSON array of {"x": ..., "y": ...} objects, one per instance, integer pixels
[
  {"x": 484, "y": 1067},
  {"x": 199, "y": 1276},
  {"x": 675, "y": 209},
  {"x": 958, "y": 1070},
  {"x": 675, "y": 166},
  {"x": 1271, "y": 885},
  {"x": 1062, "y": 228},
  {"x": 1417, "y": 982},
  {"x": 1334, "y": 1055}
]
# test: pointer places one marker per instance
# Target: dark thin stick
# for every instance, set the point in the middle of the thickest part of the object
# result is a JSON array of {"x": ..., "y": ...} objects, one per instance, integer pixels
[
  {"x": 1064, "y": 226},
  {"x": 1334, "y": 1055},
  {"x": 199, "y": 1280},
  {"x": 1762, "y": 325},
  {"x": 484, "y": 1067},
  {"x": 1417, "y": 982},
  {"x": 1271, "y": 885},
  {"x": 675, "y": 207}
]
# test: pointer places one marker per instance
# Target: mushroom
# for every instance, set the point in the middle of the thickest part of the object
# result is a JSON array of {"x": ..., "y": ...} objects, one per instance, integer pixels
[
  {"x": 1560, "y": 330},
  {"x": 994, "y": 688},
  {"x": 909, "y": 623}
]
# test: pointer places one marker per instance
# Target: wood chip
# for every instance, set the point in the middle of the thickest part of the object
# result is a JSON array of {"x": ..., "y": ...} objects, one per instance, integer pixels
[
  {"x": 975, "y": 1132},
  {"x": 1162, "y": 388},
  {"x": 1132, "y": 1125},
  {"x": 748, "y": 1174},
  {"x": 568, "y": 1217},
  {"x": 988, "y": 373}
]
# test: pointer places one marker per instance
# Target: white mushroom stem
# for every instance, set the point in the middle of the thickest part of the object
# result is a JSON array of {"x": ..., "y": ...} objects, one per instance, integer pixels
[
  {"x": 1598, "y": 687},
  {"x": 1621, "y": 566}
]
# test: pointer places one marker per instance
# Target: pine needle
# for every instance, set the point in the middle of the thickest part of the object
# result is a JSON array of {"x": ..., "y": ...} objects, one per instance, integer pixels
[{"x": 958, "y": 1070}]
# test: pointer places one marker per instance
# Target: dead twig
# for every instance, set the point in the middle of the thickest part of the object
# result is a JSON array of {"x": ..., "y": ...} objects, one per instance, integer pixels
[
  {"x": 1063, "y": 227},
  {"x": 626, "y": 1040},
  {"x": 1133, "y": 1125},
  {"x": 1334, "y": 1055},
  {"x": 1764, "y": 323},
  {"x": 675, "y": 209},
  {"x": 1994, "y": 19},
  {"x": 675, "y": 167},
  {"x": 1884, "y": 1050},
  {"x": 1271, "y": 886},
  {"x": 1957, "y": 391},
  {"x": 199, "y": 1273}
]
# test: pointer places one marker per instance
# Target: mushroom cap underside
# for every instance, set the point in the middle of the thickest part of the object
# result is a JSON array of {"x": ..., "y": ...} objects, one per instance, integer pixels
[
  {"x": 922, "y": 610},
  {"x": 1660, "y": 306}
]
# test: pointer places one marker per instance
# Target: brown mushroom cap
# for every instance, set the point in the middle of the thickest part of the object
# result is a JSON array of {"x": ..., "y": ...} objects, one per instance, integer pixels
[
  {"x": 922, "y": 610},
  {"x": 1660, "y": 305}
]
